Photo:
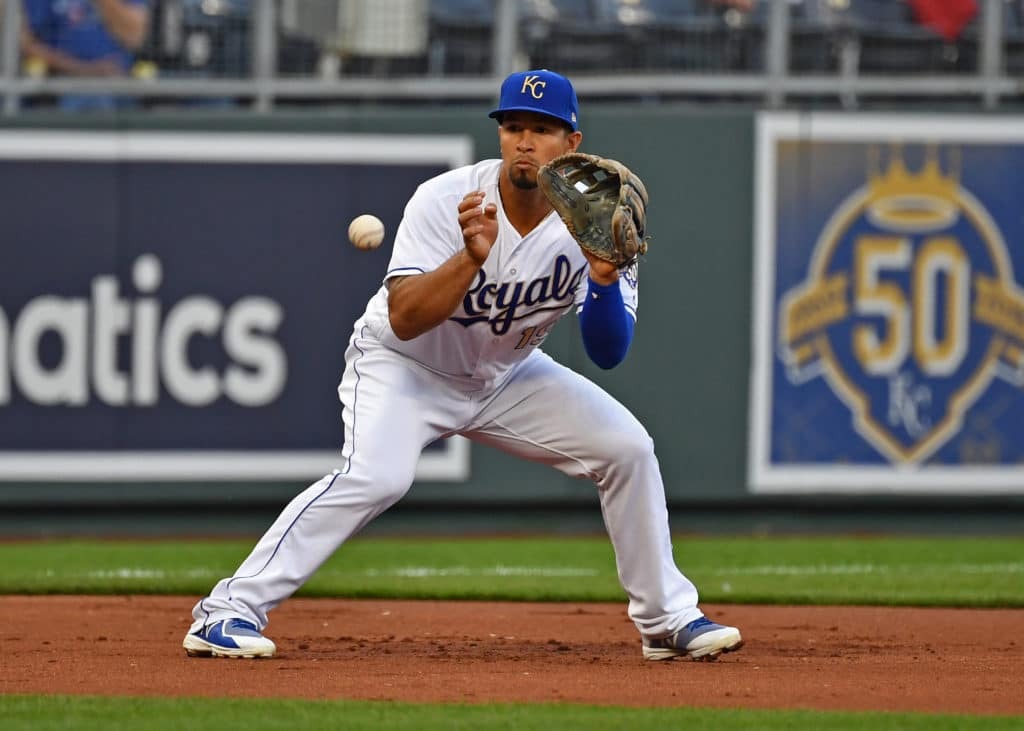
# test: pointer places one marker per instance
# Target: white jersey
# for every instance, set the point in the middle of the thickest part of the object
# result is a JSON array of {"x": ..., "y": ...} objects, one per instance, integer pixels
[{"x": 526, "y": 284}]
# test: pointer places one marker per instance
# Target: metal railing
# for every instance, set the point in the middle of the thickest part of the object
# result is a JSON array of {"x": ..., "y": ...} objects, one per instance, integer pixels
[{"x": 771, "y": 79}]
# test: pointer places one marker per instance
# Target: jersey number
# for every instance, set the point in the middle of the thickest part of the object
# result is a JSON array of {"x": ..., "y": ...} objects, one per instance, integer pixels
[{"x": 533, "y": 336}]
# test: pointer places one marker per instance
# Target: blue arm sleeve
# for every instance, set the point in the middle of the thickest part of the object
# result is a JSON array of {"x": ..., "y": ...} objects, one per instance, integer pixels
[{"x": 606, "y": 325}]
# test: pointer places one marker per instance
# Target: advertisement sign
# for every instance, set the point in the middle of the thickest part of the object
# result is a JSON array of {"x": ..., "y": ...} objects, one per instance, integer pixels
[
  {"x": 888, "y": 350},
  {"x": 177, "y": 305}
]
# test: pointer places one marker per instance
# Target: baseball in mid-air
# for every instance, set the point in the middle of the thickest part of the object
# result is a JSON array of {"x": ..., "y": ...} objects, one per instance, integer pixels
[{"x": 366, "y": 232}]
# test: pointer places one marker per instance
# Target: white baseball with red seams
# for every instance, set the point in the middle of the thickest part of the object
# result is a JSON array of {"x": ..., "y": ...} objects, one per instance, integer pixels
[
  {"x": 366, "y": 231},
  {"x": 481, "y": 374}
]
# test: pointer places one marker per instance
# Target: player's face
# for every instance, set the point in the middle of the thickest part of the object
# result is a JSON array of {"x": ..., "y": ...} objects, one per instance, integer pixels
[{"x": 529, "y": 140}]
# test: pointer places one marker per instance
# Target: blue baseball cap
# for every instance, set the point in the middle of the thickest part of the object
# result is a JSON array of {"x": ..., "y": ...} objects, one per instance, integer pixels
[{"x": 541, "y": 91}]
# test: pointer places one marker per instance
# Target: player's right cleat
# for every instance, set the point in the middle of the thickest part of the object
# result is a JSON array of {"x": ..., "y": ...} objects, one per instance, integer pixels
[
  {"x": 228, "y": 638},
  {"x": 701, "y": 639}
]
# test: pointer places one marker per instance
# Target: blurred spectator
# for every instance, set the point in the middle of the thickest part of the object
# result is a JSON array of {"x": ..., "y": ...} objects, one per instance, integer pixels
[
  {"x": 946, "y": 17},
  {"x": 737, "y": 13},
  {"x": 384, "y": 37},
  {"x": 742, "y": 5},
  {"x": 87, "y": 38}
]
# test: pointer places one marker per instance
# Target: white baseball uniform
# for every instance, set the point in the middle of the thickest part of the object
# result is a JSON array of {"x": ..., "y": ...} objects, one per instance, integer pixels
[{"x": 480, "y": 374}]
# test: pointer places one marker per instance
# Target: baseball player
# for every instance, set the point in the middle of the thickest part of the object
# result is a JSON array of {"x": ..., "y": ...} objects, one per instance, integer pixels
[{"x": 482, "y": 268}]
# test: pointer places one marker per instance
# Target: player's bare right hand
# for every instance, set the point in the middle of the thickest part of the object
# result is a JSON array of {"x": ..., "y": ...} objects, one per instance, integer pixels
[{"x": 479, "y": 225}]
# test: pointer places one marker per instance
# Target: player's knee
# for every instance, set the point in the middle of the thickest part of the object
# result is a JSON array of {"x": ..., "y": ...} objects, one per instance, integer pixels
[
  {"x": 623, "y": 448},
  {"x": 634, "y": 445},
  {"x": 388, "y": 489}
]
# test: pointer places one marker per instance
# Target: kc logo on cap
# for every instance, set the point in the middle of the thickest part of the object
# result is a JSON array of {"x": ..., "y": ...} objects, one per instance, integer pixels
[
  {"x": 535, "y": 85},
  {"x": 540, "y": 91}
]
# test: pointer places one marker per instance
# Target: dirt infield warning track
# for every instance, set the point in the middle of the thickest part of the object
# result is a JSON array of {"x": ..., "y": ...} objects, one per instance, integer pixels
[{"x": 838, "y": 658}]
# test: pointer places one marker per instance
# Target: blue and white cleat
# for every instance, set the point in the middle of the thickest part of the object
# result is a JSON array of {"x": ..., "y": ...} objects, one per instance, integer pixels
[
  {"x": 228, "y": 638},
  {"x": 701, "y": 639}
]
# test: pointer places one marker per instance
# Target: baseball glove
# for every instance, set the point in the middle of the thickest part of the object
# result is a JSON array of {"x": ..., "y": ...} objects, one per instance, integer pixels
[{"x": 602, "y": 202}]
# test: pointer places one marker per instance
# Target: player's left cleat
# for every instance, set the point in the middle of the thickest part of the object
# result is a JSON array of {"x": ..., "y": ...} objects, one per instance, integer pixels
[
  {"x": 701, "y": 639},
  {"x": 228, "y": 638}
]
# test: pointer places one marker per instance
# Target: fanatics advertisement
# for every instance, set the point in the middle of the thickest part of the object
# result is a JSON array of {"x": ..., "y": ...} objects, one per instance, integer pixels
[
  {"x": 888, "y": 352},
  {"x": 177, "y": 305}
]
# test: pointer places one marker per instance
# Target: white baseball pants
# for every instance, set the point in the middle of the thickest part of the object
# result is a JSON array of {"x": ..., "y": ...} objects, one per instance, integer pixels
[{"x": 542, "y": 411}]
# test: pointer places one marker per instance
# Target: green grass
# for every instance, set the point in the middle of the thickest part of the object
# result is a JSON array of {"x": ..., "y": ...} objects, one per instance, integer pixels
[
  {"x": 975, "y": 572},
  {"x": 84, "y": 713},
  {"x": 918, "y": 571}
]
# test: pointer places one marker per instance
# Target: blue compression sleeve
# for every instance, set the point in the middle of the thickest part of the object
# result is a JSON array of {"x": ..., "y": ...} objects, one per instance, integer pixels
[{"x": 606, "y": 325}]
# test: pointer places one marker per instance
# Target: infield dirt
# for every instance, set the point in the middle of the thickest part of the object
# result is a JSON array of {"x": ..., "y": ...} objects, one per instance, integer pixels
[{"x": 836, "y": 658}]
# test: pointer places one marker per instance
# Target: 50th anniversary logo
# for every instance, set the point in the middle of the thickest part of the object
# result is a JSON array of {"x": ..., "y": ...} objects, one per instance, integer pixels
[{"x": 888, "y": 309}]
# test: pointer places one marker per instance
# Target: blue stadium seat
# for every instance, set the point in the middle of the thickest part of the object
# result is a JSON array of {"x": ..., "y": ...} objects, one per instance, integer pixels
[
  {"x": 461, "y": 36},
  {"x": 557, "y": 34},
  {"x": 1013, "y": 23},
  {"x": 883, "y": 35},
  {"x": 570, "y": 35},
  {"x": 692, "y": 35}
]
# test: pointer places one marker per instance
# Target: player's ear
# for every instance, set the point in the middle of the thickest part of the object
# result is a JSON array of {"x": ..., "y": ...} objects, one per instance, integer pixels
[{"x": 573, "y": 140}]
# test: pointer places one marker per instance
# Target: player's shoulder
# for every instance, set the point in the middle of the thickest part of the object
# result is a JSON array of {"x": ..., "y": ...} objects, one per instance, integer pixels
[{"x": 459, "y": 181}]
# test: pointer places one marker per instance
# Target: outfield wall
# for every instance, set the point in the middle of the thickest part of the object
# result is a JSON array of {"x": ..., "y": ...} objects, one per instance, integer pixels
[{"x": 177, "y": 294}]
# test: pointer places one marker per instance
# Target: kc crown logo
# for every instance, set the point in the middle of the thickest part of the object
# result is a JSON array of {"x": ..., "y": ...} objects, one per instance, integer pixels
[
  {"x": 535, "y": 85},
  {"x": 910, "y": 307}
]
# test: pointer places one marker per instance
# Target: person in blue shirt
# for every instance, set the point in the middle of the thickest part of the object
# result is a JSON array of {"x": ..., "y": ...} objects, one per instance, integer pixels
[{"x": 87, "y": 38}]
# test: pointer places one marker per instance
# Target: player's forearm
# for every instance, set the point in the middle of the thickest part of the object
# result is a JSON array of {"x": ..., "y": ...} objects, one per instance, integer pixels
[
  {"x": 606, "y": 326},
  {"x": 421, "y": 302},
  {"x": 128, "y": 23}
]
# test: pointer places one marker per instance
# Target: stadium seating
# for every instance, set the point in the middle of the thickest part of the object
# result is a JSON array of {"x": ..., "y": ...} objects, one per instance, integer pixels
[
  {"x": 1013, "y": 22},
  {"x": 827, "y": 36},
  {"x": 192, "y": 38},
  {"x": 871, "y": 37},
  {"x": 461, "y": 36}
]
